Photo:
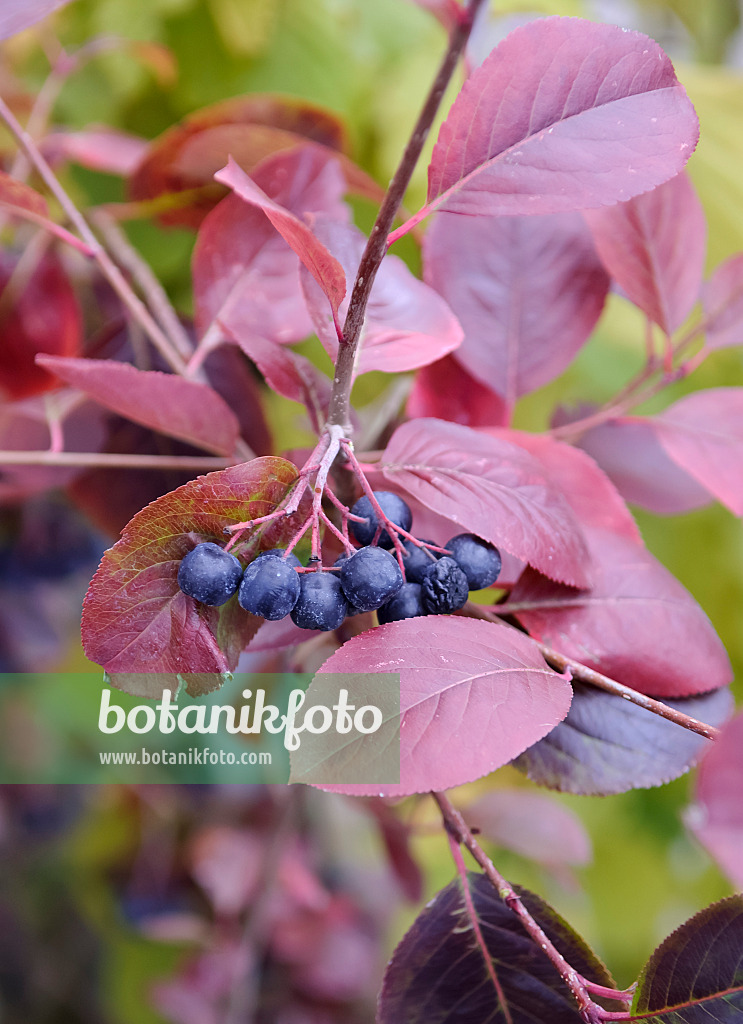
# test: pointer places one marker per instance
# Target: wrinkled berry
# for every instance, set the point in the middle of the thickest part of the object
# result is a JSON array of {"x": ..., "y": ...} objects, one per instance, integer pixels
[
  {"x": 370, "y": 577},
  {"x": 406, "y": 604},
  {"x": 290, "y": 559},
  {"x": 417, "y": 560},
  {"x": 321, "y": 604},
  {"x": 396, "y": 510},
  {"x": 209, "y": 574},
  {"x": 444, "y": 587},
  {"x": 269, "y": 587},
  {"x": 479, "y": 561}
]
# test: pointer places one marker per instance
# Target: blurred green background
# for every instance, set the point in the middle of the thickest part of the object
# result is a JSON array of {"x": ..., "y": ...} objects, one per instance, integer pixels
[{"x": 371, "y": 62}]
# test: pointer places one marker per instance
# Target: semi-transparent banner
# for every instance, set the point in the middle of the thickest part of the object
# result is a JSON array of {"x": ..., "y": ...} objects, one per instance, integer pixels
[{"x": 333, "y": 729}]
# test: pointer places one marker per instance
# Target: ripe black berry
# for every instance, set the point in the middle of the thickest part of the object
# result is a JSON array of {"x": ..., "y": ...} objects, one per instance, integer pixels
[
  {"x": 321, "y": 604},
  {"x": 370, "y": 577},
  {"x": 270, "y": 587},
  {"x": 396, "y": 510},
  {"x": 209, "y": 574},
  {"x": 444, "y": 587},
  {"x": 417, "y": 560},
  {"x": 479, "y": 561},
  {"x": 406, "y": 604},
  {"x": 290, "y": 559}
]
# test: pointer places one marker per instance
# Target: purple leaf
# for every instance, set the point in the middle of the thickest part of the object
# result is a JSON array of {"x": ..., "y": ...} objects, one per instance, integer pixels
[
  {"x": 444, "y": 390},
  {"x": 325, "y": 269},
  {"x": 167, "y": 403},
  {"x": 654, "y": 247},
  {"x": 722, "y": 301},
  {"x": 530, "y": 824},
  {"x": 17, "y": 15},
  {"x": 637, "y": 624},
  {"x": 694, "y": 977},
  {"x": 439, "y": 973},
  {"x": 473, "y": 694},
  {"x": 527, "y": 291},
  {"x": 407, "y": 324},
  {"x": 489, "y": 487},
  {"x": 564, "y": 114},
  {"x": 716, "y": 818},
  {"x": 244, "y": 272},
  {"x": 630, "y": 452},
  {"x": 703, "y": 434},
  {"x": 607, "y": 745}
]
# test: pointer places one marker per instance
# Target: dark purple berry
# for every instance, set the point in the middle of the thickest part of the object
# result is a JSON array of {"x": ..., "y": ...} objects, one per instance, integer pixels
[
  {"x": 370, "y": 577},
  {"x": 321, "y": 604},
  {"x": 209, "y": 574},
  {"x": 444, "y": 587},
  {"x": 479, "y": 561},
  {"x": 270, "y": 588},
  {"x": 396, "y": 510},
  {"x": 417, "y": 560},
  {"x": 406, "y": 604},
  {"x": 290, "y": 559}
]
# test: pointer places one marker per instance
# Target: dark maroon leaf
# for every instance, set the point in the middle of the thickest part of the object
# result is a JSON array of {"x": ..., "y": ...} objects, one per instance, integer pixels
[
  {"x": 637, "y": 624},
  {"x": 396, "y": 835},
  {"x": 530, "y": 824},
  {"x": 489, "y": 487},
  {"x": 608, "y": 745},
  {"x": 470, "y": 692},
  {"x": 232, "y": 377},
  {"x": 696, "y": 975},
  {"x": 527, "y": 291},
  {"x": 407, "y": 324},
  {"x": 325, "y": 269},
  {"x": 703, "y": 433},
  {"x": 439, "y": 974},
  {"x": 167, "y": 403},
  {"x": 654, "y": 247},
  {"x": 17, "y": 15},
  {"x": 629, "y": 451},
  {"x": 722, "y": 301},
  {"x": 135, "y": 617},
  {"x": 444, "y": 390},
  {"x": 717, "y": 815},
  {"x": 564, "y": 114}
]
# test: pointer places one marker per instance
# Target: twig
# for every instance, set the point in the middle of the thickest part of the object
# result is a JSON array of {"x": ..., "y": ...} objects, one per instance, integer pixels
[
  {"x": 376, "y": 246},
  {"x": 111, "y": 460}
]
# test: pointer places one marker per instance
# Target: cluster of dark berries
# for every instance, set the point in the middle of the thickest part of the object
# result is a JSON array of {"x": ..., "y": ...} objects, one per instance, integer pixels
[{"x": 368, "y": 579}]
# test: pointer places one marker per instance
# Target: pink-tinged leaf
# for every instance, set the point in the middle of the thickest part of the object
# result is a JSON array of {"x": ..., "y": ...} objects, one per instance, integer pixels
[
  {"x": 444, "y": 390},
  {"x": 564, "y": 114},
  {"x": 629, "y": 451},
  {"x": 472, "y": 693},
  {"x": 407, "y": 324},
  {"x": 532, "y": 825},
  {"x": 243, "y": 270},
  {"x": 703, "y": 434},
  {"x": 489, "y": 487},
  {"x": 588, "y": 491},
  {"x": 17, "y": 15},
  {"x": 100, "y": 149},
  {"x": 447, "y": 12},
  {"x": 654, "y": 247},
  {"x": 722, "y": 301},
  {"x": 637, "y": 623},
  {"x": 716, "y": 817},
  {"x": 135, "y": 617},
  {"x": 325, "y": 269},
  {"x": 167, "y": 403},
  {"x": 527, "y": 291},
  {"x": 17, "y": 195}
]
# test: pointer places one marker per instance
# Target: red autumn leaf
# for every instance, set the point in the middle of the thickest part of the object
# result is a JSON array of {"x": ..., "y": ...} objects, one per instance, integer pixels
[
  {"x": 444, "y": 390},
  {"x": 135, "y": 617},
  {"x": 637, "y": 623},
  {"x": 43, "y": 316},
  {"x": 527, "y": 291},
  {"x": 17, "y": 195},
  {"x": 473, "y": 694},
  {"x": 167, "y": 403},
  {"x": 564, "y": 114},
  {"x": 489, "y": 487},
  {"x": 407, "y": 324},
  {"x": 716, "y": 818},
  {"x": 654, "y": 247},
  {"x": 722, "y": 300}
]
